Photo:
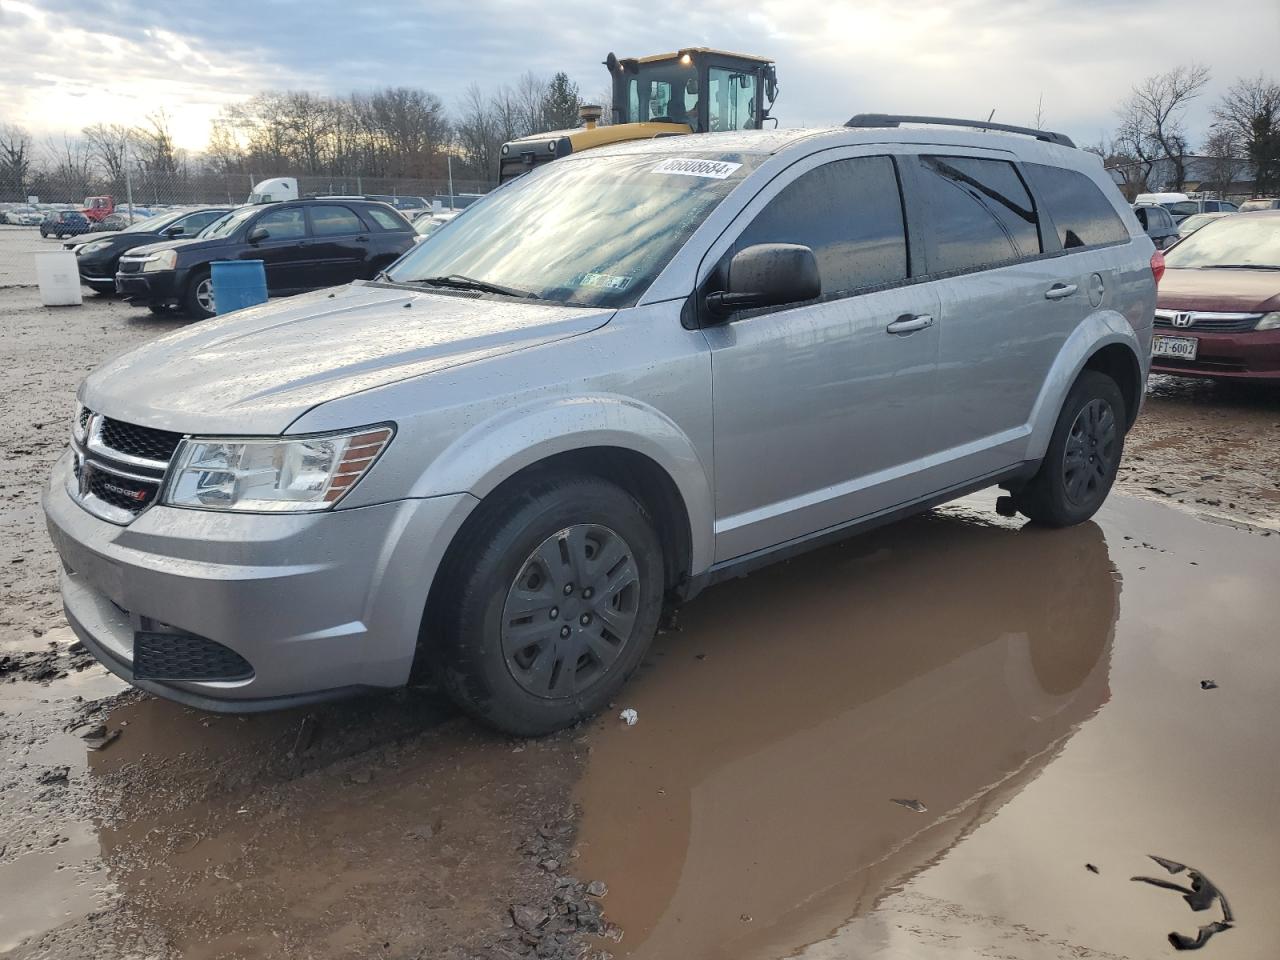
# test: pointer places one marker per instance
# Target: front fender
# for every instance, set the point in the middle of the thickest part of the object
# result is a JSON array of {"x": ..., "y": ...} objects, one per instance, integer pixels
[
  {"x": 497, "y": 448},
  {"x": 1098, "y": 330}
]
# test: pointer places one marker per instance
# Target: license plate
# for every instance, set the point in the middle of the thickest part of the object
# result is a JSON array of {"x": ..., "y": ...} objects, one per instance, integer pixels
[{"x": 1176, "y": 348}]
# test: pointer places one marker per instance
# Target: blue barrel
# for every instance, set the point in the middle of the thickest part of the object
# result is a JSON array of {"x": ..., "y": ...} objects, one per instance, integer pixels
[{"x": 238, "y": 284}]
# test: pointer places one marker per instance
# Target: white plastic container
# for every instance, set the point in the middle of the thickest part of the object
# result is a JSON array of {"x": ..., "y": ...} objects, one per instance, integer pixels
[{"x": 59, "y": 278}]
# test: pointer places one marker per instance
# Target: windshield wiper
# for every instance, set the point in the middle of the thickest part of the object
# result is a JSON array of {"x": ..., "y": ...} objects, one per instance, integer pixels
[
  {"x": 1242, "y": 266},
  {"x": 456, "y": 281}
]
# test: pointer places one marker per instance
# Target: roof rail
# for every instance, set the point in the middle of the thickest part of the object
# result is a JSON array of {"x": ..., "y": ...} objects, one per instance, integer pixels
[{"x": 893, "y": 120}]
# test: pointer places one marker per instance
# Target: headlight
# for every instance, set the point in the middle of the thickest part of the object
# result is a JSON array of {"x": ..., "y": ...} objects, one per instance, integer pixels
[
  {"x": 275, "y": 474},
  {"x": 91, "y": 247},
  {"x": 164, "y": 260},
  {"x": 1270, "y": 321}
]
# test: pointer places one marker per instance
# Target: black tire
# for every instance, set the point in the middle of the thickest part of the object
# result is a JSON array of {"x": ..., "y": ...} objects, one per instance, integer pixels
[
  {"x": 493, "y": 663},
  {"x": 1091, "y": 427},
  {"x": 160, "y": 309},
  {"x": 102, "y": 289},
  {"x": 192, "y": 296}
]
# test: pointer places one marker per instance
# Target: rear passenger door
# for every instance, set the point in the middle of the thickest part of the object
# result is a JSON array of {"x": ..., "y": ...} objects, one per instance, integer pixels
[
  {"x": 1006, "y": 310},
  {"x": 339, "y": 245},
  {"x": 820, "y": 408}
]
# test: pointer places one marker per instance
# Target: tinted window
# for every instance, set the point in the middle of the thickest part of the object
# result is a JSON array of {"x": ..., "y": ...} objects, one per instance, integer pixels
[
  {"x": 197, "y": 221},
  {"x": 1183, "y": 208},
  {"x": 385, "y": 219},
  {"x": 1083, "y": 216},
  {"x": 334, "y": 221},
  {"x": 978, "y": 213},
  {"x": 284, "y": 224},
  {"x": 849, "y": 213}
]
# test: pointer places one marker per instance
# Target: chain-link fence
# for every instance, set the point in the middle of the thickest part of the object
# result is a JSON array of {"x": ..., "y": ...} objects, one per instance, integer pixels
[{"x": 43, "y": 212}]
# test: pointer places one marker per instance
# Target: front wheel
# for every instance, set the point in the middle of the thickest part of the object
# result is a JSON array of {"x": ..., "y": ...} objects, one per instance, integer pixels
[
  {"x": 549, "y": 605},
  {"x": 1083, "y": 456},
  {"x": 197, "y": 302}
]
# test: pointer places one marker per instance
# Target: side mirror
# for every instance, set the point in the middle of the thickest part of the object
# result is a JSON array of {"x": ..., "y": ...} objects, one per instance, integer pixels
[
  {"x": 174, "y": 232},
  {"x": 768, "y": 275},
  {"x": 258, "y": 234}
]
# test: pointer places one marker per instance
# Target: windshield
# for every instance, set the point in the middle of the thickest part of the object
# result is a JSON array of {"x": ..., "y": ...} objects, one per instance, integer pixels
[
  {"x": 1234, "y": 241},
  {"x": 228, "y": 224},
  {"x": 429, "y": 225},
  {"x": 149, "y": 225},
  {"x": 588, "y": 232}
]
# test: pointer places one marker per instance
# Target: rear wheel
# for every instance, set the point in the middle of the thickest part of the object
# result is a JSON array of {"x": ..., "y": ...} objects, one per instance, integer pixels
[
  {"x": 197, "y": 302},
  {"x": 1083, "y": 456},
  {"x": 549, "y": 605}
]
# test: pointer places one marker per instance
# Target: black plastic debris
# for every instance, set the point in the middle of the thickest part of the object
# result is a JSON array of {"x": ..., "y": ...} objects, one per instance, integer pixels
[
  {"x": 1200, "y": 894},
  {"x": 1208, "y": 685},
  {"x": 915, "y": 805}
]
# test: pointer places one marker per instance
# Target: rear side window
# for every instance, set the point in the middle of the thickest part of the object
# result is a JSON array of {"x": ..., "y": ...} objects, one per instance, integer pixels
[
  {"x": 978, "y": 213},
  {"x": 1083, "y": 216},
  {"x": 385, "y": 219},
  {"x": 330, "y": 221},
  {"x": 849, "y": 212}
]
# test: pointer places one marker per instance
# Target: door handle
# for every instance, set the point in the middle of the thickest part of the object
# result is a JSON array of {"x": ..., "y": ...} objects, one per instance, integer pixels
[
  {"x": 1060, "y": 291},
  {"x": 362, "y": 239},
  {"x": 910, "y": 323}
]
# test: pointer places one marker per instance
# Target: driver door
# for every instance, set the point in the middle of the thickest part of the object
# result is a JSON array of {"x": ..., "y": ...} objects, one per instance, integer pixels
[
  {"x": 285, "y": 252},
  {"x": 822, "y": 408}
]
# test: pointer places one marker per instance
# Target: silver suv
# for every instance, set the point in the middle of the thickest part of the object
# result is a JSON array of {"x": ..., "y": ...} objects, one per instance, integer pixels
[{"x": 619, "y": 379}]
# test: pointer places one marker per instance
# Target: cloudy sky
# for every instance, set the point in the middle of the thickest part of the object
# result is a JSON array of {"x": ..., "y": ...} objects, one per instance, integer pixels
[{"x": 69, "y": 63}]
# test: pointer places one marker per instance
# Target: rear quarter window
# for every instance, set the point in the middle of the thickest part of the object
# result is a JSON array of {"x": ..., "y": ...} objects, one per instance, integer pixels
[
  {"x": 385, "y": 219},
  {"x": 1083, "y": 216}
]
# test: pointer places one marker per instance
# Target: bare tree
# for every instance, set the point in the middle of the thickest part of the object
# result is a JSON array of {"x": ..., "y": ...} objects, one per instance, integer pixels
[
  {"x": 109, "y": 147},
  {"x": 71, "y": 167},
  {"x": 15, "y": 161},
  {"x": 1151, "y": 118},
  {"x": 1249, "y": 115},
  {"x": 1220, "y": 151}
]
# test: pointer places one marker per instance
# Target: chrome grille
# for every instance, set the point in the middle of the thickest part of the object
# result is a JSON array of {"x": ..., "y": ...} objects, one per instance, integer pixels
[
  {"x": 1205, "y": 321},
  {"x": 118, "y": 467}
]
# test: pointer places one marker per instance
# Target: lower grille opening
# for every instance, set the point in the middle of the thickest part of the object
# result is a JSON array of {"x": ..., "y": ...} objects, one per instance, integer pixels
[{"x": 184, "y": 656}]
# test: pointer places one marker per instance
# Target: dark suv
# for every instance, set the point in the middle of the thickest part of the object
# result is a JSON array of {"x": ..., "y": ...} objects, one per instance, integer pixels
[
  {"x": 63, "y": 223},
  {"x": 304, "y": 244}
]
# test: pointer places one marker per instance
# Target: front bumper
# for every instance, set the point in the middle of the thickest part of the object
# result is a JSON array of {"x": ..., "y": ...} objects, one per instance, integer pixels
[
  {"x": 158, "y": 287},
  {"x": 1252, "y": 355},
  {"x": 320, "y": 605}
]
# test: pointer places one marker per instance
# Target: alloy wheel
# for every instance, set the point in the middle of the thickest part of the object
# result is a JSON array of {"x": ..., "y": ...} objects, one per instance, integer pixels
[
  {"x": 571, "y": 611},
  {"x": 204, "y": 295}
]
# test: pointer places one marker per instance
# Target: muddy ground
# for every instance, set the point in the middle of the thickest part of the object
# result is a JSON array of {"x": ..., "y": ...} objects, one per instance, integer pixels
[{"x": 949, "y": 738}]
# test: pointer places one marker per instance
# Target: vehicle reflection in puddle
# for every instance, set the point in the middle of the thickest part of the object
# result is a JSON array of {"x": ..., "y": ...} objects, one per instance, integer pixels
[{"x": 750, "y": 812}]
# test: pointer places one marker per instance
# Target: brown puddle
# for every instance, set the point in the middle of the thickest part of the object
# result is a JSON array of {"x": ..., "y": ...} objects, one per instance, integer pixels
[{"x": 999, "y": 678}]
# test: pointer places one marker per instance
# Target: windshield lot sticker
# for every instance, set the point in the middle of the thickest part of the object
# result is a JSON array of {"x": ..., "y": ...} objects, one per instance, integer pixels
[
  {"x": 688, "y": 167},
  {"x": 604, "y": 280}
]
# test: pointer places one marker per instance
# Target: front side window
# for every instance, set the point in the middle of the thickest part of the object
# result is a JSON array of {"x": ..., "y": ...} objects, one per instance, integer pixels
[
  {"x": 330, "y": 221},
  {"x": 731, "y": 99},
  {"x": 1183, "y": 208},
  {"x": 978, "y": 212},
  {"x": 1082, "y": 215},
  {"x": 287, "y": 224},
  {"x": 589, "y": 231},
  {"x": 849, "y": 212}
]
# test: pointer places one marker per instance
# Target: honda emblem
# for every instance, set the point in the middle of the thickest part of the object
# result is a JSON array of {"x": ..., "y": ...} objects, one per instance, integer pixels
[{"x": 1182, "y": 320}]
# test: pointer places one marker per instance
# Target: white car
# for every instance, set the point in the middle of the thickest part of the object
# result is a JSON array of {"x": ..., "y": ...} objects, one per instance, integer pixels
[
  {"x": 23, "y": 216},
  {"x": 425, "y": 226}
]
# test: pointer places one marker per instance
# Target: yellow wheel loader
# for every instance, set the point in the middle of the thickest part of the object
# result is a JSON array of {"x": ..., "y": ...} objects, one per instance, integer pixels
[{"x": 694, "y": 90}]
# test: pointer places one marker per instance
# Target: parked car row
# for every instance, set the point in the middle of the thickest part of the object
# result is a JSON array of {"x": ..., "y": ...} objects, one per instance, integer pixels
[{"x": 304, "y": 245}]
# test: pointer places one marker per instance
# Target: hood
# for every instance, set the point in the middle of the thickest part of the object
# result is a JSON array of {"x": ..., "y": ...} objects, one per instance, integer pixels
[
  {"x": 1231, "y": 291},
  {"x": 189, "y": 244},
  {"x": 257, "y": 370}
]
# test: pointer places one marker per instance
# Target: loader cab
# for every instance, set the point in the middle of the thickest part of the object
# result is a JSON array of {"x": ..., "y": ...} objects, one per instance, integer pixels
[{"x": 708, "y": 90}]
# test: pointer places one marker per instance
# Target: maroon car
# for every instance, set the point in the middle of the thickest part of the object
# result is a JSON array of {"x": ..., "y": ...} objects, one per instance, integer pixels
[{"x": 1218, "y": 309}]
